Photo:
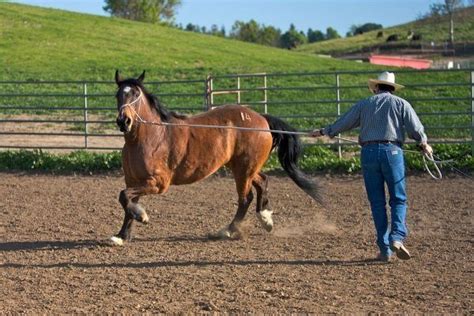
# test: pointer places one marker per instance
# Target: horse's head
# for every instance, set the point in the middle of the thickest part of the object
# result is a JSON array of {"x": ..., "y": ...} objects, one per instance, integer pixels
[{"x": 129, "y": 96}]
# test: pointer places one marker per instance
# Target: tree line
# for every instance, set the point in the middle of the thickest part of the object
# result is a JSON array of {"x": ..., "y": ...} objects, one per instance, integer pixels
[
  {"x": 163, "y": 11},
  {"x": 254, "y": 32}
]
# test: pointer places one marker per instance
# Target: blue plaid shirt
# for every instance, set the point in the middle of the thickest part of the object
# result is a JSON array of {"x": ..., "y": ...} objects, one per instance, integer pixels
[{"x": 382, "y": 116}]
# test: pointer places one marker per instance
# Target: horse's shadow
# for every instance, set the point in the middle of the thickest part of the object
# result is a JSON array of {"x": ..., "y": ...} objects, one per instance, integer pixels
[{"x": 79, "y": 244}]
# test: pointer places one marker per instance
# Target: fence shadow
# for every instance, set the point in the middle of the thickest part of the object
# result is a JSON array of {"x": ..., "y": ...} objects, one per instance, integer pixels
[
  {"x": 196, "y": 263},
  {"x": 47, "y": 245},
  {"x": 78, "y": 244},
  {"x": 91, "y": 243}
]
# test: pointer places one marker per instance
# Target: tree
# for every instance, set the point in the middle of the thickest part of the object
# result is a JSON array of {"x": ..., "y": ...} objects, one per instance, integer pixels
[
  {"x": 447, "y": 7},
  {"x": 255, "y": 33},
  {"x": 451, "y": 7},
  {"x": 245, "y": 31},
  {"x": 192, "y": 28},
  {"x": 152, "y": 11},
  {"x": 269, "y": 35},
  {"x": 314, "y": 36},
  {"x": 292, "y": 38},
  {"x": 331, "y": 33}
]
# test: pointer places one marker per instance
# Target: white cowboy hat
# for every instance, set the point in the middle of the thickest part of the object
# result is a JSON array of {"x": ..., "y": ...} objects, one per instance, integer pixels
[{"x": 387, "y": 78}]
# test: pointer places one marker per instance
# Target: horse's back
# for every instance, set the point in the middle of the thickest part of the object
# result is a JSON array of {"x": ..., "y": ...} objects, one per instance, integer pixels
[
  {"x": 210, "y": 148},
  {"x": 235, "y": 117}
]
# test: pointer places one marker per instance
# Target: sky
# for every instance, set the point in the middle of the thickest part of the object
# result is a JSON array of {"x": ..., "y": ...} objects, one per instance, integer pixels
[{"x": 304, "y": 14}]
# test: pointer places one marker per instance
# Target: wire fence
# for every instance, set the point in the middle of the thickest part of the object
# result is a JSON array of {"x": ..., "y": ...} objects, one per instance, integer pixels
[{"x": 72, "y": 115}]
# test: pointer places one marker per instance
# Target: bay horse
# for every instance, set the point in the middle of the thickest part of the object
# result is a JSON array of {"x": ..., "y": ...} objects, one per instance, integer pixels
[{"x": 158, "y": 153}]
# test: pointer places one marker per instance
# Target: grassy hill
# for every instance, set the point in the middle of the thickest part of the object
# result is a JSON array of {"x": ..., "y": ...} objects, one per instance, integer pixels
[
  {"x": 47, "y": 44},
  {"x": 431, "y": 29},
  {"x": 54, "y": 44}
]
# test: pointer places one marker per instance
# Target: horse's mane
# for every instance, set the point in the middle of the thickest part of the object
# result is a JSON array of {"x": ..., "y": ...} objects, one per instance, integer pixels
[{"x": 164, "y": 113}]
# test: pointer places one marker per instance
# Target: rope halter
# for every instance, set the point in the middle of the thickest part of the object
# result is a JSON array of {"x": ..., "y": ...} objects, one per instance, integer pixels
[{"x": 130, "y": 104}]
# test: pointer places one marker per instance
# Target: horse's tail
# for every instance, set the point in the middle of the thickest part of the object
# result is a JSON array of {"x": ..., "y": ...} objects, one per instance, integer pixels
[{"x": 289, "y": 150}]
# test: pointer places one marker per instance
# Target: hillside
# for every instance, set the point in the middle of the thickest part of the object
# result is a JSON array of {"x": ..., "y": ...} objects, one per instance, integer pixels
[
  {"x": 43, "y": 43},
  {"x": 431, "y": 29}
]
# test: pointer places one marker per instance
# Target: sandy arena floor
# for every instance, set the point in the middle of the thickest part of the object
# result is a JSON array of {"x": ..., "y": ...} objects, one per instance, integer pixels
[{"x": 53, "y": 261}]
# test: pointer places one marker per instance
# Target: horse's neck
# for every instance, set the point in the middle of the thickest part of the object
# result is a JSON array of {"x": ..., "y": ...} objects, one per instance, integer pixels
[{"x": 147, "y": 125}]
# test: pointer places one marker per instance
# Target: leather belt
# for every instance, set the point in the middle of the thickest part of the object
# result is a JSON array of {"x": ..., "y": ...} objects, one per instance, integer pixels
[{"x": 381, "y": 142}]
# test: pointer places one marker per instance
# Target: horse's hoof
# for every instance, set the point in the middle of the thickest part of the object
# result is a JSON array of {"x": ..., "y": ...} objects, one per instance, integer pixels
[
  {"x": 222, "y": 234},
  {"x": 142, "y": 218},
  {"x": 266, "y": 219},
  {"x": 140, "y": 215},
  {"x": 116, "y": 241}
]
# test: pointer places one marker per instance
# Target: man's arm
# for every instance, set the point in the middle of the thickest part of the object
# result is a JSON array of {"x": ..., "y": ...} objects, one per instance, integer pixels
[
  {"x": 415, "y": 129},
  {"x": 413, "y": 126},
  {"x": 347, "y": 121}
]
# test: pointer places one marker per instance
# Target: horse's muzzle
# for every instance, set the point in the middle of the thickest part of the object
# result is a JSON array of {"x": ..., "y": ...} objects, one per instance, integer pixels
[{"x": 124, "y": 123}]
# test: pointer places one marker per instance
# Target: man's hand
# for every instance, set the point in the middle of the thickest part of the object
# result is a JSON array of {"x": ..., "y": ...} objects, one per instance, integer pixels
[
  {"x": 426, "y": 149},
  {"x": 316, "y": 133}
]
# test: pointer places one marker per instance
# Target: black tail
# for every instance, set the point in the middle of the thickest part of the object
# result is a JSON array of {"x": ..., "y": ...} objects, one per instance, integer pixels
[{"x": 289, "y": 150}]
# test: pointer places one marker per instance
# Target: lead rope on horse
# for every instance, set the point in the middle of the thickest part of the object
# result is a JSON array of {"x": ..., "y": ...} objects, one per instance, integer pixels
[{"x": 426, "y": 156}]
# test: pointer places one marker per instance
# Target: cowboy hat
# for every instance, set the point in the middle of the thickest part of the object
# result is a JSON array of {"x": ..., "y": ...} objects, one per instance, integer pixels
[{"x": 387, "y": 78}]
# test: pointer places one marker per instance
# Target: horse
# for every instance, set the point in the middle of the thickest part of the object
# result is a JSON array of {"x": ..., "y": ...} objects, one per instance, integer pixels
[{"x": 162, "y": 148}]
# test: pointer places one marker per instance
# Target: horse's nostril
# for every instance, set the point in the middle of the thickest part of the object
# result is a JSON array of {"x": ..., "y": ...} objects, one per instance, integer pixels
[{"x": 128, "y": 121}]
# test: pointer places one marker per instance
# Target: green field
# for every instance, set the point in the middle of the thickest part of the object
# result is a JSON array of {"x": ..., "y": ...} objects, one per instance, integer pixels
[
  {"x": 52, "y": 44},
  {"x": 431, "y": 29}
]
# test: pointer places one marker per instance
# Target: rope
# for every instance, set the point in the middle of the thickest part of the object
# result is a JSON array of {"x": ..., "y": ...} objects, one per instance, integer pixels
[
  {"x": 426, "y": 156},
  {"x": 141, "y": 120},
  {"x": 430, "y": 158}
]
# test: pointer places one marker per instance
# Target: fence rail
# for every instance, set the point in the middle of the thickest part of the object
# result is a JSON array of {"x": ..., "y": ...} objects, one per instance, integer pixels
[{"x": 81, "y": 114}]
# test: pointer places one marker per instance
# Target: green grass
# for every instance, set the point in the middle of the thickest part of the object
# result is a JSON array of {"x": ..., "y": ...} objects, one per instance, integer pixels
[
  {"x": 431, "y": 29},
  {"x": 314, "y": 159},
  {"x": 46, "y": 44},
  {"x": 49, "y": 44}
]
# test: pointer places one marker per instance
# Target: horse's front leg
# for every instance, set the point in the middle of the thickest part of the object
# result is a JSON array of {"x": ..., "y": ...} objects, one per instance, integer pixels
[{"x": 128, "y": 198}]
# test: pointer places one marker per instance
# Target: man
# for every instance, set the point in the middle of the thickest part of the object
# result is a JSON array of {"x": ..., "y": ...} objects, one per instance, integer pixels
[{"x": 383, "y": 119}]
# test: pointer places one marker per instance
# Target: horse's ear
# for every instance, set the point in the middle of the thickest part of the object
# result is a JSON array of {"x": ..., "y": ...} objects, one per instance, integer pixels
[
  {"x": 118, "y": 77},
  {"x": 142, "y": 77}
]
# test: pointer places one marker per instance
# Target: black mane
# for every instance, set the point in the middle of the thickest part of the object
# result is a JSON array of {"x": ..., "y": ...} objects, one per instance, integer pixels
[{"x": 164, "y": 113}]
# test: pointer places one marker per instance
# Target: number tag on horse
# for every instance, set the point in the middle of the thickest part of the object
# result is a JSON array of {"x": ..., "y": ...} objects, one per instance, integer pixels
[{"x": 245, "y": 116}]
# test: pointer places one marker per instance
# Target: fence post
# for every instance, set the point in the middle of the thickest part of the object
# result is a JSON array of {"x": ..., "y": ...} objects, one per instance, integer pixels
[
  {"x": 86, "y": 132},
  {"x": 265, "y": 99},
  {"x": 338, "y": 100},
  {"x": 207, "y": 93},
  {"x": 211, "y": 95},
  {"x": 472, "y": 113},
  {"x": 238, "y": 90}
]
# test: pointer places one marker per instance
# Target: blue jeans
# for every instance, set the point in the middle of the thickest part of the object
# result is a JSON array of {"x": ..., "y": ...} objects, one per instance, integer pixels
[{"x": 384, "y": 163}]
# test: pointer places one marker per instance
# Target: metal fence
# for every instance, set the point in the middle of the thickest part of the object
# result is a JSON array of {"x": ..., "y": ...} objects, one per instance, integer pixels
[{"x": 71, "y": 115}]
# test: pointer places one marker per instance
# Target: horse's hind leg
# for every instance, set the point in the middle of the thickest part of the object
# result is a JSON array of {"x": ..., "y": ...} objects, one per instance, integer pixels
[
  {"x": 244, "y": 191},
  {"x": 260, "y": 182}
]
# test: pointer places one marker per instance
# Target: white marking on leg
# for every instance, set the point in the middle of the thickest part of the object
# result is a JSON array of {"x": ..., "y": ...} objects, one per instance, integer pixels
[
  {"x": 266, "y": 220},
  {"x": 145, "y": 218},
  {"x": 116, "y": 241}
]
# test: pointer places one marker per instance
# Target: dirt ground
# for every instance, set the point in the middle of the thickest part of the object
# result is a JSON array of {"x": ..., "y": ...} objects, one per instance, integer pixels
[{"x": 53, "y": 259}]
